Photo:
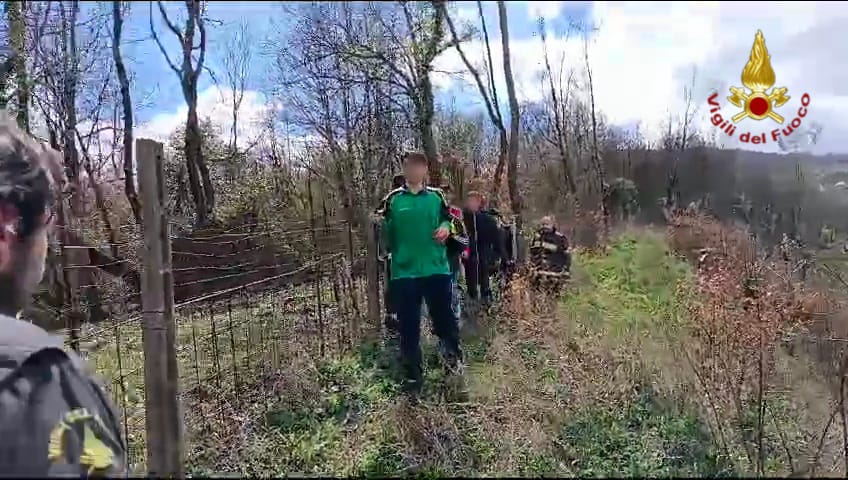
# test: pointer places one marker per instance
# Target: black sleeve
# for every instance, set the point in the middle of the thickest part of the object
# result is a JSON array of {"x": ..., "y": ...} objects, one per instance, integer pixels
[
  {"x": 563, "y": 243},
  {"x": 494, "y": 236},
  {"x": 75, "y": 417}
]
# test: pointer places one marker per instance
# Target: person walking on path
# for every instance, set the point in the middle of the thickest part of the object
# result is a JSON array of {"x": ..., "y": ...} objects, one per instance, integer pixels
[
  {"x": 416, "y": 225},
  {"x": 484, "y": 243},
  {"x": 55, "y": 420}
]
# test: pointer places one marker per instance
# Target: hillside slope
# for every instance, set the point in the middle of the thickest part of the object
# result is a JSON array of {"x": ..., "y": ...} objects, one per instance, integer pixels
[{"x": 595, "y": 383}]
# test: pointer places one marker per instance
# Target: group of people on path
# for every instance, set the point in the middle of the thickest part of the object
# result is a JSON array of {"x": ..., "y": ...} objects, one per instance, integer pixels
[
  {"x": 56, "y": 419},
  {"x": 429, "y": 242}
]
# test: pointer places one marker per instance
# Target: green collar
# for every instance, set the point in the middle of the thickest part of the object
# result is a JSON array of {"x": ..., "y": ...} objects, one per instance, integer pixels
[{"x": 424, "y": 190}]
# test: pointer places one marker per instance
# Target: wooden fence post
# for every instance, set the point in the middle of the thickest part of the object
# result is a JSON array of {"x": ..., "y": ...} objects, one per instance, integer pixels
[{"x": 161, "y": 378}]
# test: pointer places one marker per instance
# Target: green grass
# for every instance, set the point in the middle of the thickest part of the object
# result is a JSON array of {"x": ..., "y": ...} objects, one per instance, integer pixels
[
  {"x": 355, "y": 422},
  {"x": 598, "y": 398},
  {"x": 220, "y": 352},
  {"x": 645, "y": 437},
  {"x": 632, "y": 289}
]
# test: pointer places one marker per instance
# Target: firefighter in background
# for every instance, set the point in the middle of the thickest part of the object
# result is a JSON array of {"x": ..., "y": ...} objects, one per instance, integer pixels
[{"x": 550, "y": 257}]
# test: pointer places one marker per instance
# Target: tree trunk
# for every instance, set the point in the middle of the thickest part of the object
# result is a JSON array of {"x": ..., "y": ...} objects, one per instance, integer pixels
[
  {"x": 126, "y": 103},
  {"x": 596, "y": 154},
  {"x": 503, "y": 153},
  {"x": 193, "y": 153},
  {"x": 198, "y": 172},
  {"x": 17, "y": 41},
  {"x": 558, "y": 102},
  {"x": 425, "y": 130},
  {"x": 515, "y": 118}
]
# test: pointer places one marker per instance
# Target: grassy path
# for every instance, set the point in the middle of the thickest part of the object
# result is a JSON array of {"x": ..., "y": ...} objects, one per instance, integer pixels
[{"x": 579, "y": 389}]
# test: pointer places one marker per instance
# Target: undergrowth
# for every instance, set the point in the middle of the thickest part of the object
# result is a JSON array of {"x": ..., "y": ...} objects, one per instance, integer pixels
[{"x": 596, "y": 386}]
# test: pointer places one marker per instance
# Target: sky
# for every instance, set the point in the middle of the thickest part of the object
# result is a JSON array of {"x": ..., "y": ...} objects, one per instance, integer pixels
[{"x": 642, "y": 56}]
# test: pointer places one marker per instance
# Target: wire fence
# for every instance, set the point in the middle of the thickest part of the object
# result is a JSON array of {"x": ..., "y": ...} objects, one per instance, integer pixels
[{"x": 248, "y": 301}]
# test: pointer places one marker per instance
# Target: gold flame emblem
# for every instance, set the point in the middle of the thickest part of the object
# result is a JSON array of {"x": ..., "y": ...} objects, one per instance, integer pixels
[{"x": 758, "y": 77}]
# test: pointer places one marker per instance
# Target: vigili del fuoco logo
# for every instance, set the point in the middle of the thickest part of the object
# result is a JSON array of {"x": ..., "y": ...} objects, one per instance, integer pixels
[{"x": 759, "y": 100}]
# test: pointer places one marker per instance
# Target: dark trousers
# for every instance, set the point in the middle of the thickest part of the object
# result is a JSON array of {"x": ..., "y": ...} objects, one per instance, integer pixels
[
  {"x": 477, "y": 277},
  {"x": 388, "y": 298},
  {"x": 408, "y": 293}
]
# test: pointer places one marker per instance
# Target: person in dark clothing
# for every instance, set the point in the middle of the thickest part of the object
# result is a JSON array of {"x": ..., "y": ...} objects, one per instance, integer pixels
[
  {"x": 416, "y": 227},
  {"x": 55, "y": 419},
  {"x": 390, "y": 318},
  {"x": 504, "y": 263},
  {"x": 484, "y": 243},
  {"x": 550, "y": 256}
]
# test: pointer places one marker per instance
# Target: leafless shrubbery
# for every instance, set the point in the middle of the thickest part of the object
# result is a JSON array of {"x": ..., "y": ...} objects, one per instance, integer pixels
[{"x": 745, "y": 309}]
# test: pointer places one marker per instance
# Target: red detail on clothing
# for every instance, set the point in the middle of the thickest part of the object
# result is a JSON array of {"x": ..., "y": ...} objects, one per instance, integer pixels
[{"x": 456, "y": 213}]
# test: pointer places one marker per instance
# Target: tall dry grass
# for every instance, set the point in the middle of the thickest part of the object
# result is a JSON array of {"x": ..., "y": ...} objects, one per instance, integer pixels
[{"x": 748, "y": 305}]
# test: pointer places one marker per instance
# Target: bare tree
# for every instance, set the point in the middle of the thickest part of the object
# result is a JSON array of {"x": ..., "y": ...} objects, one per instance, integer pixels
[
  {"x": 598, "y": 164},
  {"x": 67, "y": 51},
  {"x": 237, "y": 59},
  {"x": 188, "y": 73},
  {"x": 489, "y": 95},
  {"x": 515, "y": 117},
  {"x": 411, "y": 37},
  {"x": 676, "y": 139},
  {"x": 559, "y": 104},
  {"x": 345, "y": 72},
  {"x": 127, "y": 106}
]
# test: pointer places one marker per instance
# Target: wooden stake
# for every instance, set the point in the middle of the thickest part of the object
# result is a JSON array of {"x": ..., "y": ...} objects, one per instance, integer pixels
[{"x": 161, "y": 378}]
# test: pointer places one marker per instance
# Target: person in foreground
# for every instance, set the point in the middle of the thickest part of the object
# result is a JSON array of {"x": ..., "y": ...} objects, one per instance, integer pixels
[
  {"x": 416, "y": 226},
  {"x": 55, "y": 420}
]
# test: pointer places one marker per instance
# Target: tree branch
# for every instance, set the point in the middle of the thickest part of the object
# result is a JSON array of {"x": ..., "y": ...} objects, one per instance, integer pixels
[{"x": 159, "y": 42}]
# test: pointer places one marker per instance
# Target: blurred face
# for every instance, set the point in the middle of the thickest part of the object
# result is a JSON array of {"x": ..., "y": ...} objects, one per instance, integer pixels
[
  {"x": 22, "y": 261},
  {"x": 414, "y": 171},
  {"x": 547, "y": 224},
  {"x": 473, "y": 203},
  {"x": 34, "y": 255},
  {"x": 22, "y": 258}
]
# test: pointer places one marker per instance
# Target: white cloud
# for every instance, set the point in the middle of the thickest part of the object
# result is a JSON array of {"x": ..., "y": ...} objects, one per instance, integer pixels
[
  {"x": 546, "y": 10},
  {"x": 215, "y": 104},
  {"x": 643, "y": 55}
]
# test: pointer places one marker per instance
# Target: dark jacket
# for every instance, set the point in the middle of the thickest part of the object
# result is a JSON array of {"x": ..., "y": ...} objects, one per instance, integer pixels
[
  {"x": 549, "y": 251},
  {"x": 54, "y": 419},
  {"x": 506, "y": 245},
  {"x": 484, "y": 236}
]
